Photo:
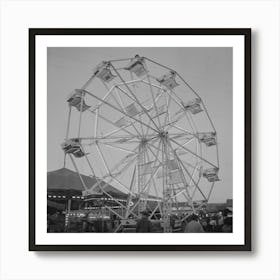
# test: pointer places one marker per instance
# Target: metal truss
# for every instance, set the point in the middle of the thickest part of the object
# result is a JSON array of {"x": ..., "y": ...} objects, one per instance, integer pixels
[{"x": 141, "y": 133}]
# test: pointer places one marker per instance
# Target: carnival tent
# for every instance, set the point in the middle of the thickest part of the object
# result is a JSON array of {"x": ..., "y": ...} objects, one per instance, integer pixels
[{"x": 67, "y": 180}]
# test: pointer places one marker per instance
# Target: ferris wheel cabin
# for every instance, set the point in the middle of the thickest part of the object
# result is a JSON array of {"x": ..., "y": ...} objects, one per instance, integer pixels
[
  {"x": 76, "y": 100},
  {"x": 103, "y": 72},
  {"x": 168, "y": 80},
  {"x": 136, "y": 66}
]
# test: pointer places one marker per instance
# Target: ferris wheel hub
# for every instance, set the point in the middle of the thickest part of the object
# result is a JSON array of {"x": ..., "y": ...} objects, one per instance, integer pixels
[
  {"x": 144, "y": 141},
  {"x": 163, "y": 134}
]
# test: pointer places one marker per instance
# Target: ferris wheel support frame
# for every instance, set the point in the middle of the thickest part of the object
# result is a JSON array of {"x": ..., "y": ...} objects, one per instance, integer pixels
[{"x": 169, "y": 192}]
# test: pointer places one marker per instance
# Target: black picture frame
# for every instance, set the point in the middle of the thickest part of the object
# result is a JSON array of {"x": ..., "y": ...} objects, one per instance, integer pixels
[{"x": 246, "y": 32}]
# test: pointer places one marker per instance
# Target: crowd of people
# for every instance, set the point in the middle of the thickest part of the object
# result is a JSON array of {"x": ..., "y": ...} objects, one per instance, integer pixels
[
  {"x": 186, "y": 222},
  {"x": 217, "y": 222},
  {"x": 192, "y": 223}
]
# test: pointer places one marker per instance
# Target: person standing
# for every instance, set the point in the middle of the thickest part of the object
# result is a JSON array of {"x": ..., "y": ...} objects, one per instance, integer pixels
[
  {"x": 194, "y": 225},
  {"x": 144, "y": 224},
  {"x": 227, "y": 227}
]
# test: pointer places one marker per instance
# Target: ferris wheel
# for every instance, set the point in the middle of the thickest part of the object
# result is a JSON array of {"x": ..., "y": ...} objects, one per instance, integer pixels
[{"x": 139, "y": 126}]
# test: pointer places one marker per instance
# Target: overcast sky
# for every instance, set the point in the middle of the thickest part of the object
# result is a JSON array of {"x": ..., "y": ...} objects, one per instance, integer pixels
[{"x": 207, "y": 70}]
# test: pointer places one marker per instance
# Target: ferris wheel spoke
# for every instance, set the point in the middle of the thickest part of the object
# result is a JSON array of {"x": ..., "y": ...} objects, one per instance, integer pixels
[
  {"x": 153, "y": 98},
  {"x": 141, "y": 126},
  {"x": 101, "y": 100},
  {"x": 190, "y": 165},
  {"x": 172, "y": 70},
  {"x": 123, "y": 109},
  {"x": 194, "y": 182},
  {"x": 119, "y": 97},
  {"x": 126, "y": 126},
  {"x": 131, "y": 98},
  {"x": 185, "y": 143},
  {"x": 194, "y": 191},
  {"x": 109, "y": 140},
  {"x": 193, "y": 127},
  {"x": 173, "y": 122},
  {"x": 117, "y": 109},
  {"x": 118, "y": 130},
  {"x": 133, "y": 82},
  {"x": 158, "y": 149},
  {"x": 113, "y": 170},
  {"x": 98, "y": 115},
  {"x": 183, "y": 130},
  {"x": 136, "y": 99},
  {"x": 170, "y": 123},
  {"x": 123, "y": 161},
  {"x": 147, "y": 128},
  {"x": 191, "y": 152},
  {"x": 180, "y": 105},
  {"x": 182, "y": 136},
  {"x": 191, "y": 120},
  {"x": 127, "y": 160},
  {"x": 175, "y": 98},
  {"x": 116, "y": 167},
  {"x": 159, "y": 94},
  {"x": 167, "y": 116},
  {"x": 115, "y": 131},
  {"x": 119, "y": 148}
]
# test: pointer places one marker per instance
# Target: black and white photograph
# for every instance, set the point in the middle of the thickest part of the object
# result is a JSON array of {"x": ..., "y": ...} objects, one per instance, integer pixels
[
  {"x": 140, "y": 140},
  {"x": 142, "y": 151}
]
